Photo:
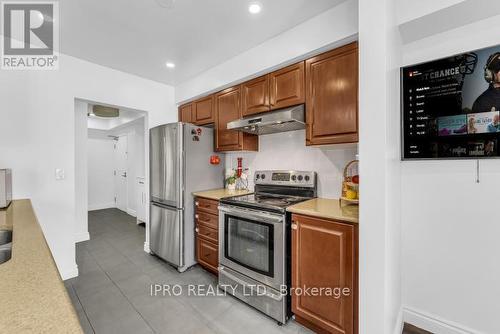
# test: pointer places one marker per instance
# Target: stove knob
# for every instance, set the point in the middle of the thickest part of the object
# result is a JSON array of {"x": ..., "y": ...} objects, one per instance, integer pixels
[
  {"x": 263, "y": 176},
  {"x": 300, "y": 177},
  {"x": 294, "y": 178},
  {"x": 307, "y": 178}
]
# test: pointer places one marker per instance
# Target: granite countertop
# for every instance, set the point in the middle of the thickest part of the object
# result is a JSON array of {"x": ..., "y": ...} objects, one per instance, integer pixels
[
  {"x": 33, "y": 296},
  {"x": 327, "y": 208},
  {"x": 217, "y": 194}
]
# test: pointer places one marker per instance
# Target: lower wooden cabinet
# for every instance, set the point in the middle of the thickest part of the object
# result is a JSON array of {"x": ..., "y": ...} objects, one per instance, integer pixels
[
  {"x": 207, "y": 233},
  {"x": 324, "y": 255},
  {"x": 207, "y": 254}
]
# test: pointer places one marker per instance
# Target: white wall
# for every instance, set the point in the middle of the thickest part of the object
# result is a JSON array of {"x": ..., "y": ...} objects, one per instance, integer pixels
[
  {"x": 101, "y": 188},
  {"x": 336, "y": 26},
  {"x": 450, "y": 227},
  {"x": 81, "y": 175},
  {"x": 379, "y": 229},
  {"x": 288, "y": 150},
  {"x": 37, "y": 135}
]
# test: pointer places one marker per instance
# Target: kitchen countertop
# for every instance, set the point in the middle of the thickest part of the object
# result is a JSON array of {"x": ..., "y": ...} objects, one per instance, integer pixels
[
  {"x": 217, "y": 194},
  {"x": 33, "y": 297},
  {"x": 327, "y": 208}
]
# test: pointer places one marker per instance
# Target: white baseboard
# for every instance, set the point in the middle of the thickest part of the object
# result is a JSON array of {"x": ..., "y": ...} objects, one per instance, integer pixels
[
  {"x": 68, "y": 273},
  {"x": 131, "y": 212},
  {"x": 82, "y": 236},
  {"x": 146, "y": 247},
  {"x": 434, "y": 324},
  {"x": 101, "y": 206}
]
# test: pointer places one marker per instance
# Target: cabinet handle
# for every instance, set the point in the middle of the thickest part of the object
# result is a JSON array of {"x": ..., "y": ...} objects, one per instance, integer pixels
[
  {"x": 196, "y": 216},
  {"x": 196, "y": 203},
  {"x": 197, "y": 230},
  {"x": 294, "y": 226}
]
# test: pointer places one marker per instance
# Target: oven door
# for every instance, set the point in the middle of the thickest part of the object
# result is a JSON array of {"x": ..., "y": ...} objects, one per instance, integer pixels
[{"x": 252, "y": 243}]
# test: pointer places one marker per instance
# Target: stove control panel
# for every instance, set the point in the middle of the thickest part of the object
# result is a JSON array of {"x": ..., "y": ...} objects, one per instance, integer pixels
[{"x": 288, "y": 178}]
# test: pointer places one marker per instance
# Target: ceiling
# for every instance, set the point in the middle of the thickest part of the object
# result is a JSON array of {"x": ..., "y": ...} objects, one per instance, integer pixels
[{"x": 140, "y": 36}]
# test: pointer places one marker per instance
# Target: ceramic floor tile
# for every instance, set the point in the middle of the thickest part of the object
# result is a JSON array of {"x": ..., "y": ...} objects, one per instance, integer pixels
[{"x": 113, "y": 292}]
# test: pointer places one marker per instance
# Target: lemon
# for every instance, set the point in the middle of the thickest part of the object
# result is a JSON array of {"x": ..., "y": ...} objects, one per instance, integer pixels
[{"x": 351, "y": 194}]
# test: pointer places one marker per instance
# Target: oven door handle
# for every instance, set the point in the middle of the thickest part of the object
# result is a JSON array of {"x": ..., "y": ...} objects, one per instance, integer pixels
[
  {"x": 278, "y": 297},
  {"x": 243, "y": 213}
]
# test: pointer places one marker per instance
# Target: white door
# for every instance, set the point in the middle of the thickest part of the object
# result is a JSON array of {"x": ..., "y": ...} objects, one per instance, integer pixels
[{"x": 120, "y": 159}]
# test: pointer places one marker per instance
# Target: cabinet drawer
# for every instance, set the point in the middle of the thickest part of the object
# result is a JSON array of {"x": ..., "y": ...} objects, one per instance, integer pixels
[
  {"x": 207, "y": 205},
  {"x": 210, "y": 234},
  {"x": 207, "y": 219},
  {"x": 207, "y": 254}
]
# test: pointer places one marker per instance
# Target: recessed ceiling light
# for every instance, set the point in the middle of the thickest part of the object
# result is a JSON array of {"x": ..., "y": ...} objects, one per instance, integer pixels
[
  {"x": 254, "y": 8},
  {"x": 170, "y": 65}
]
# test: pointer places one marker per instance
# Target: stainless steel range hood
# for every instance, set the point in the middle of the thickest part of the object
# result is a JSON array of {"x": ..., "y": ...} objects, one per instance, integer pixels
[{"x": 287, "y": 119}]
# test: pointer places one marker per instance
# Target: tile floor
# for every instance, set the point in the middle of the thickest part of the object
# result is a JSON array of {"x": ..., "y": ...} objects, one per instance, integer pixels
[{"x": 112, "y": 293}]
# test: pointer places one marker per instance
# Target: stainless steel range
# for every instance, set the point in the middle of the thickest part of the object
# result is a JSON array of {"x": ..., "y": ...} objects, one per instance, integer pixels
[{"x": 254, "y": 234}]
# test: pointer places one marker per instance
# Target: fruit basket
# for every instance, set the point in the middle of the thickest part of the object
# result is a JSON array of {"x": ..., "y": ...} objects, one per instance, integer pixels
[{"x": 350, "y": 184}]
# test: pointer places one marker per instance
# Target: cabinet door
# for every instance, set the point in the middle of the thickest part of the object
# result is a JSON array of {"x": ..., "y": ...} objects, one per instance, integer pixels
[
  {"x": 227, "y": 106},
  {"x": 207, "y": 254},
  {"x": 332, "y": 97},
  {"x": 255, "y": 96},
  {"x": 203, "y": 110},
  {"x": 287, "y": 86},
  {"x": 186, "y": 113},
  {"x": 324, "y": 255}
]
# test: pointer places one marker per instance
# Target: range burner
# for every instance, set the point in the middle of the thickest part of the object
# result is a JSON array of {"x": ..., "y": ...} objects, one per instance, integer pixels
[{"x": 276, "y": 190}]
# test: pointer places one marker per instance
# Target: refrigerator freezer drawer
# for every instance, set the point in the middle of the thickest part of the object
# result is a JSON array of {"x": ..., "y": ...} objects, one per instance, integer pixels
[{"x": 166, "y": 233}]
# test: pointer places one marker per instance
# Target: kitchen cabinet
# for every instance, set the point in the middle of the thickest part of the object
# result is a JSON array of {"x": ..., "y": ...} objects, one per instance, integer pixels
[
  {"x": 255, "y": 96},
  {"x": 141, "y": 200},
  {"x": 203, "y": 110},
  {"x": 186, "y": 113},
  {"x": 228, "y": 108},
  {"x": 207, "y": 233},
  {"x": 332, "y": 97},
  {"x": 325, "y": 254},
  {"x": 287, "y": 86}
]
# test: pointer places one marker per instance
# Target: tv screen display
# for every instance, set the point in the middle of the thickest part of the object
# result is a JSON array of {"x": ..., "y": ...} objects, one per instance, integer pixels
[{"x": 451, "y": 107}]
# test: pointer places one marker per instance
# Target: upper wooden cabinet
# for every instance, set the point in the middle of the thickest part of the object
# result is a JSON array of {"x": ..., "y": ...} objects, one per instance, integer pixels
[
  {"x": 203, "y": 110},
  {"x": 287, "y": 86},
  {"x": 324, "y": 254},
  {"x": 332, "y": 97},
  {"x": 228, "y": 108},
  {"x": 255, "y": 96},
  {"x": 186, "y": 113}
]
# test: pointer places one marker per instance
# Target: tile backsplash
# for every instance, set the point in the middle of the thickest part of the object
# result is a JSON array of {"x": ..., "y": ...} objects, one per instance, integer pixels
[{"x": 288, "y": 151}]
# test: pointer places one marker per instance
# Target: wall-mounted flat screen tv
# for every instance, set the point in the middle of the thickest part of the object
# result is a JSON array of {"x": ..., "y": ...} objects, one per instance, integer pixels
[{"x": 451, "y": 107}]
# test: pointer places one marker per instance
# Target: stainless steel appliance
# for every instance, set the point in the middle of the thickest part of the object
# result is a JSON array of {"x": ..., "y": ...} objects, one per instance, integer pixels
[
  {"x": 5, "y": 187},
  {"x": 179, "y": 165},
  {"x": 254, "y": 234},
  {"x": 287, "y": 119}
]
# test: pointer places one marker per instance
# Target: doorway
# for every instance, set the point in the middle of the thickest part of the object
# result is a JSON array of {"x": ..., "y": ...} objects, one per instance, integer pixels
[{"x": 111, "y": 164}]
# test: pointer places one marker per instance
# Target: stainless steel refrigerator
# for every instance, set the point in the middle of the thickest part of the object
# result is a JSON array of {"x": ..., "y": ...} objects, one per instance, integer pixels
[{"x": 179, "y": 165}]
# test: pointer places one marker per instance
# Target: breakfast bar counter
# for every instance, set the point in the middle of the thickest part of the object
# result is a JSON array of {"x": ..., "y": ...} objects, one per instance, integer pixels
[{"x": 33, "y": 296}]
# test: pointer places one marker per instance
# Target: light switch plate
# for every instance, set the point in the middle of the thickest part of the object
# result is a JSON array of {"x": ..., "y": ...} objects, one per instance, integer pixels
[{"x": 60, "y": 175}]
